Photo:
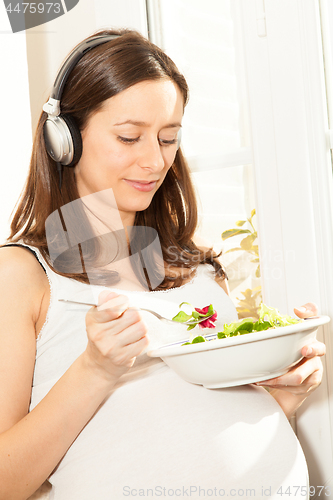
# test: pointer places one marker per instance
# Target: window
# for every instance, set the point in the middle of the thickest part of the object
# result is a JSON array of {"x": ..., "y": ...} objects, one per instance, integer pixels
[{"x": 206, "y": 45}]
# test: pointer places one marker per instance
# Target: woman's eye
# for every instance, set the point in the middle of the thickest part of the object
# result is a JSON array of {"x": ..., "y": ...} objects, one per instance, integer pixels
[
  {"x": 127, "y": 140},
  {"x": 163, "y": 142}
]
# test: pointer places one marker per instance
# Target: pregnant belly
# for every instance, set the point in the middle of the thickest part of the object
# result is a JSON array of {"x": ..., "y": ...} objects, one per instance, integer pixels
[{"x": 157, "y": 431}]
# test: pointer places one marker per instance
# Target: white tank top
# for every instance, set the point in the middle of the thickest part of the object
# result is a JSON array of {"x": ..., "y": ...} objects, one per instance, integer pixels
[{"x": 157, "y": 435}]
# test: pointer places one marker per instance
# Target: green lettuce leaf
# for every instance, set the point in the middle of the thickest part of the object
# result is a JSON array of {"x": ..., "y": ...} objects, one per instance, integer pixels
[
  {"x": 232, "y": 329},
  {"x": 269, "y": 317},
  {"x": 196, "y": 340},
  {"x": 181, "y": 317},
  {"x": 272, "y": 316}
]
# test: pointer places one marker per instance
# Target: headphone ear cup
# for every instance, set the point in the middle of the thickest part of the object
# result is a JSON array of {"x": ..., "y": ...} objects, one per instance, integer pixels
[
  {"x": 76, "y": 139},
  {"x": 62, "y": 139}
]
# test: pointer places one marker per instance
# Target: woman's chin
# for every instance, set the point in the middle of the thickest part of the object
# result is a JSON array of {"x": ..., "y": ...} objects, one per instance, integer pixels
[
  {"x": 133, "y": 209},
  {"x": 136, "y": 205}
]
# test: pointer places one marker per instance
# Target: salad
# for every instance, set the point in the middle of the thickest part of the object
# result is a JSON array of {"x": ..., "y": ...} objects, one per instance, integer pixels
[{"x": 269, "y": 317}]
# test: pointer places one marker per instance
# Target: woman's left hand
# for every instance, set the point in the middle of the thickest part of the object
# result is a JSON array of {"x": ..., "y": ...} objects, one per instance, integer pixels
[{"x": 307, "y": 374}]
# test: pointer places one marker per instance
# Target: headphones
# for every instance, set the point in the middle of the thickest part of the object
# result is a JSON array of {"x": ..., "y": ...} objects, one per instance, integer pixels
[{"x": 61, "y": 134}]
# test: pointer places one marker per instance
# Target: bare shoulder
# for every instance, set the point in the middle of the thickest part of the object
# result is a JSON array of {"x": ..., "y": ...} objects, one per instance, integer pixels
[
  {"x": 20, "y": 262},
  {"x": 21, "y": 277}
]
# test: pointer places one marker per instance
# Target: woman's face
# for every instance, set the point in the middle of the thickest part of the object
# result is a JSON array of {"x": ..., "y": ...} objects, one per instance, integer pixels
[{"x": 130, "y": 144}]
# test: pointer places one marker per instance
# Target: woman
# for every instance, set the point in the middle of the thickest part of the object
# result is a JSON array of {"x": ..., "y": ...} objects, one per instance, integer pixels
[{"x": 83, "y": 405}]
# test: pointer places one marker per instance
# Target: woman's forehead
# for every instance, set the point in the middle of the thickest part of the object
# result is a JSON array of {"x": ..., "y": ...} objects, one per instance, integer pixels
[{"x": 142, "y": 102}]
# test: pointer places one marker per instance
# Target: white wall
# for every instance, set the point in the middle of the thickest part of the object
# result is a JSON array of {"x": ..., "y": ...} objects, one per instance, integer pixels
[{"x": 15, "y": 126}]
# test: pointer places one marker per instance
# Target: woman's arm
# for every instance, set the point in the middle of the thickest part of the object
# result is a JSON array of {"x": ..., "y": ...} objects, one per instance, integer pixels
[{"x": 32, "y": 444}]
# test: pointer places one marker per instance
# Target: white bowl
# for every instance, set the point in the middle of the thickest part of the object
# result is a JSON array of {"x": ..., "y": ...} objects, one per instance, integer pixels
[{"x": 239, "y": 360}]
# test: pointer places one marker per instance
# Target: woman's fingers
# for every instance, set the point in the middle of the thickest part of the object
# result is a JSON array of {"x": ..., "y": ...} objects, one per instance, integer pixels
[
  {"x": 304, "y": 377},
  {"x": 110, "y": 307},
  {"x": 313, "y": 349},
  {"x": 133, "y": 332},
  {"x": 131, "y": 351},
  {"x": 119, "y": 327},
  {"x": 297, "y": 375},
  {"x": 307, "y": 310},
  {"x": 105, "y": 295},
  {"x": 116, "y": 335},
  {"x": 308, "y": 385}
]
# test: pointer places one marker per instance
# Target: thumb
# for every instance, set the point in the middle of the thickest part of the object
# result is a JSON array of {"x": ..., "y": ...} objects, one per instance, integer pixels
[
  {"x": 307, "y": 310},
  {"x": 105, "y": 296}
]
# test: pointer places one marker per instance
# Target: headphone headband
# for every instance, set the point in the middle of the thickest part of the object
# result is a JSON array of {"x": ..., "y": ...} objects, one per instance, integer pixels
[{"x": 52, "y": 107}]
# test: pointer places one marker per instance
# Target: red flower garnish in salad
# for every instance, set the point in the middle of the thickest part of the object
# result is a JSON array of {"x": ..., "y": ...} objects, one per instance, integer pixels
[
  {"x": 204, "y": 317},
  {"x": 207, "y": 323}
]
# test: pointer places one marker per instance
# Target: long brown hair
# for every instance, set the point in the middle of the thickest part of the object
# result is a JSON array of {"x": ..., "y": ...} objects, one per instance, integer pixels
[{"x": 99, "y": 75}]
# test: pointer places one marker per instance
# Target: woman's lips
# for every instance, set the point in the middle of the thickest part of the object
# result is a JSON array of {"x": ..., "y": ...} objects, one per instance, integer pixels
[{"x": 141, "y": 186}]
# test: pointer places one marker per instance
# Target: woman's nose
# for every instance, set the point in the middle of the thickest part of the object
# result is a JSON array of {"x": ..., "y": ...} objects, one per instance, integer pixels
[{"x": 151, "y": 155}]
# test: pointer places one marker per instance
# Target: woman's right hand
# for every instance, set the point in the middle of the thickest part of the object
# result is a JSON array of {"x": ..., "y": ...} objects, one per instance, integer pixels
[{"x": 116, "y": 335}]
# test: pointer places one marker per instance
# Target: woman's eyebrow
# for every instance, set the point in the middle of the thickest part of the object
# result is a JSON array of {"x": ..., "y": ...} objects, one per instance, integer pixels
[{"x": 144, "y": 124}]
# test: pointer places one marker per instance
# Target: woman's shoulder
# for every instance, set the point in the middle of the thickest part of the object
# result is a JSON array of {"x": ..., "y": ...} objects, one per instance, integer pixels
[
  {"x": 20, "y": 257},
  {"x": 21, "y": 274}
]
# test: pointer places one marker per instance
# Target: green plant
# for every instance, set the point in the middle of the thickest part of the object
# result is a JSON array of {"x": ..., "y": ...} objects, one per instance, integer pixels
[
  {"x": 249, "y": 304},
  {"x": 247, "y": 244}
]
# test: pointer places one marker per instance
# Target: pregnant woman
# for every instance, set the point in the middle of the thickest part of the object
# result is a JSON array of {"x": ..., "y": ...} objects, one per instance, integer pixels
[{"x": 81, "y": 402}]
